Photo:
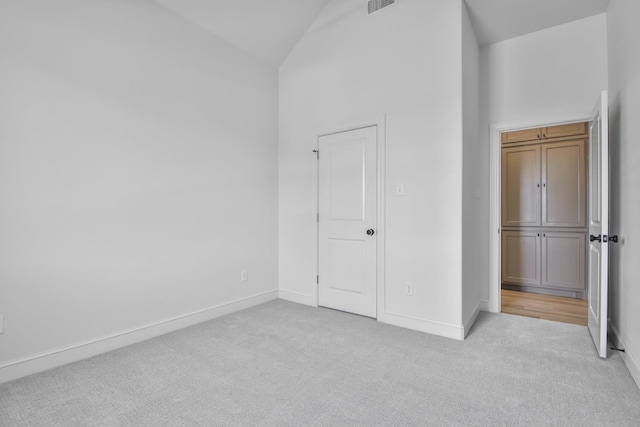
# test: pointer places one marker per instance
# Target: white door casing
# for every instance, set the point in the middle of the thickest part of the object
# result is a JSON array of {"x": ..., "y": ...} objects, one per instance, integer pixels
[
  {"x": 598, "y": 259},
  {"x": 495, "y": 189},
  {"x": 347, "y": 209}
]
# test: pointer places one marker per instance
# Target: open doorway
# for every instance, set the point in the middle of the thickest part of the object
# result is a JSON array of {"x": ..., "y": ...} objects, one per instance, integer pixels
[{"x": 543, "y": 222}]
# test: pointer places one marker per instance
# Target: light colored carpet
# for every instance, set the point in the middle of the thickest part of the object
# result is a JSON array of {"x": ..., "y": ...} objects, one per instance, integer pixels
[{"x": 282, "y": 364}]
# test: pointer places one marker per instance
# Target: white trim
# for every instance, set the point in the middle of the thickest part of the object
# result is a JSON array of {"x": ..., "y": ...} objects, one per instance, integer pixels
[
  {"x": 382, "y": 203},
  {"x": 380, "y": 123},
  {"x": 482, "y": 305},
  {"x": 433, "y": 327},
  {"x": 630, "y": 359},
  {"x": 495, "y": 129},
  {"x": 315, "y": 193},
  {"x": 298, "y": 298},
  {"x": 89, "y": 348}
]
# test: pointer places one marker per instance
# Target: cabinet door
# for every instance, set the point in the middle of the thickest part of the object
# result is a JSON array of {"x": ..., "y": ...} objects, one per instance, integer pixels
[
  {"x": 521, "y": 135},
  {"x": 521, "y": 257},
  {"x": 563, "y": 260},
  {"x": 564, "y": 184},
  {"x": 521, "y": 186},
  {"x": 561, "y": 131}
]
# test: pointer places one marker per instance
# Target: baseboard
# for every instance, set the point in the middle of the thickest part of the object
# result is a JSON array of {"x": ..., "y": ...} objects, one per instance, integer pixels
[
  {"x": 544, "y": 291},
  {"x": 62, "y": 356},
  {"x": 297, "y": 298},
  {"x": 628, "y": 356},
  {"x": 482, "y": 305},
  {"x": 442, "y": 329}
]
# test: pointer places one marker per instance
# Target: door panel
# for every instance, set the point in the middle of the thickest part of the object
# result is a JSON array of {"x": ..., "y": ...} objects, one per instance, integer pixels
[
  {"x": 521, "y": 257},
  {"x": 347, "y": 181},
  {"x": 559, "y": 131},
  {"x": 595, "y": 173},
  {"x": 521, "y": 186},
  {"x": 594, "y": 288},
  {"x": 520, "y": 136},
  {"x": 563, "y": 184},
  {"x": 598, "y": 278},
  {"x": 347, "y": 209},
  {"x": 563, "y": 258},
  {"x": 347, "y": 265}
]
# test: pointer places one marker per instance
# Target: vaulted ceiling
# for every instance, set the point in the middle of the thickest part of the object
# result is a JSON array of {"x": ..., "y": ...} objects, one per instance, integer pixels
[
  {"x": 269, "y": 29},
  {"x": 498, "y": 20},
  {"x": 266, "y": 29}
]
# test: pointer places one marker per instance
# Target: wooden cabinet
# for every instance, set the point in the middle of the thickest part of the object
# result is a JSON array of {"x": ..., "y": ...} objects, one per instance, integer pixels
[
  {"x": 521, "y": 186},
  {"x": 562, "y": 131},
  {"x": 521, "y": 135},
  {"x": 545, "y": 133},
  {"x": 564, "y": 181},
  {"x": 544, "y": 185},
  {"x": 544, "y": 209},
  {"x": 544, "y": 259},
  {"x": 563, "y": 260},
  {"x": 521, "y": 257}
]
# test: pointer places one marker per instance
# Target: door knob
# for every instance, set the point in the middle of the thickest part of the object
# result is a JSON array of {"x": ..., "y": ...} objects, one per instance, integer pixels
[
  {"x": 612, "y": 239},
  {"x": 593, "y": 238},
  {"x": 370, "y": 232}
]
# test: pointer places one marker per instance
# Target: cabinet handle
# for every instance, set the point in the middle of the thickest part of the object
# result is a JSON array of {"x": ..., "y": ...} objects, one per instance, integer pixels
[
  {"x": 544, "y": 185},
  {"x": 544, "y": 135},
  {"x": 538, "y": 185},
  {"x": 538, "y": 234},
  {"x": 544, "y": 234}
]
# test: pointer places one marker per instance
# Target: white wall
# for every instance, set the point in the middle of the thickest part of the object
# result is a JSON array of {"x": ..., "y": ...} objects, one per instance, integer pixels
[
  {"x": 550, "y": 76},
  {"x": 475, "y": 214},
  {"x": 138, "y": 172},
  {"x": 403, "y": 61},
  {"x": 624, "y": 100},
  {"x": 553, "y": 73}
]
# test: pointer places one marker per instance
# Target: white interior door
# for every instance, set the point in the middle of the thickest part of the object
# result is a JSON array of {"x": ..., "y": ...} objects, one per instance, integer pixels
[
  {"x": 598, "y": 270},
  {"x": 347, "y": 221}
]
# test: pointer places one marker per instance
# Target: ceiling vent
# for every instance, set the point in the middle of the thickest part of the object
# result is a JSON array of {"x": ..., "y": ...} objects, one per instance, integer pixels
[{"x": 375, "y": 5}]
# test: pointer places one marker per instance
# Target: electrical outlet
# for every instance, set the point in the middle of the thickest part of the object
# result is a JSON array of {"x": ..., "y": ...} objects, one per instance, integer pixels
[
  {"x": 1, "y": 323},
  {"x": 244, "y": 276},
  {"x": 408, "y": 288}
]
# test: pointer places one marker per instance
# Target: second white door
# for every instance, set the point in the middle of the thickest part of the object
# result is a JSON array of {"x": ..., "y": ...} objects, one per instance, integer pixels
[
  {"x": 348, "y": 221},
  {"x": 598, "y": 260}
]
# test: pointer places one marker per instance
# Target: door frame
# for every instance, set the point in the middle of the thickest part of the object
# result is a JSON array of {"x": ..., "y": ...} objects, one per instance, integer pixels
[
  {"x": 380, "y": 123},
  {"x": 495, "y": 194}
]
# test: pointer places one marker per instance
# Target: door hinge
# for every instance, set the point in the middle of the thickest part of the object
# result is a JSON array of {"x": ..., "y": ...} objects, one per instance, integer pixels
[
  {"x": 317, "y": 280},
  {"x": 317, "y": 154}
]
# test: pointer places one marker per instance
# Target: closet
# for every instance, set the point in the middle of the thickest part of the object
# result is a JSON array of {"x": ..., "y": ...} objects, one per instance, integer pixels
[{"x": 543, "y": 210}]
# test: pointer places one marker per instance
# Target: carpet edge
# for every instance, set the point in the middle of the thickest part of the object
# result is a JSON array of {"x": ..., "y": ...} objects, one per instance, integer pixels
[{"x": 50, "y": 359}]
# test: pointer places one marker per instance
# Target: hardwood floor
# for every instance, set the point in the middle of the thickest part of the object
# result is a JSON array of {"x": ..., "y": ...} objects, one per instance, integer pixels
[{"x": 567, "y": 310}]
